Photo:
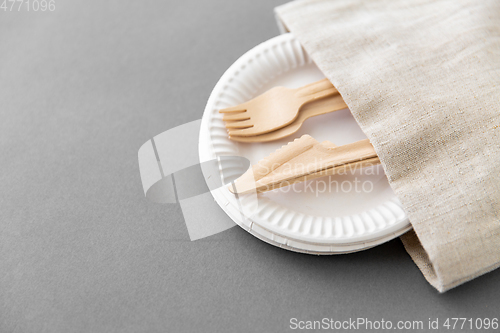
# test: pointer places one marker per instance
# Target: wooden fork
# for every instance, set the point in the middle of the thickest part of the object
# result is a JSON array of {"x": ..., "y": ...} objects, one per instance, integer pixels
[
  {"x": 315, "y": 108},
  {"x": 274, "y": 109}
]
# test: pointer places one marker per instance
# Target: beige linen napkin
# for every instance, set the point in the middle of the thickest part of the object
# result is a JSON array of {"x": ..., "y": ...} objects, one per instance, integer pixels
[{"x": 422, "y": 78}]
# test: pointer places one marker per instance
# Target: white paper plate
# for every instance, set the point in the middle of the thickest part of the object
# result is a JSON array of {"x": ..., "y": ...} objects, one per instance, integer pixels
[{"x": 338, "y": 220}]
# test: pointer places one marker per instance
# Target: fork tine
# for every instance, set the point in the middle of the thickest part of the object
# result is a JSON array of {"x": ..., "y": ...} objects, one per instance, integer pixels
[
  {"x": 240, "y": 124},
  {"x": 232, "y": 109},
  {"x": 235, "y": 116},
  {"x": 241, "y": 132}
]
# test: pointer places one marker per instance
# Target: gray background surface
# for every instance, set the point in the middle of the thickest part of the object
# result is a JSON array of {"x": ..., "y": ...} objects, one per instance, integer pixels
[{"x": 82, "y": 250}]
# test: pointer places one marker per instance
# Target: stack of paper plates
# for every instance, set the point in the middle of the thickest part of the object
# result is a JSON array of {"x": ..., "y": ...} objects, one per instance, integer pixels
[{"x": 337, "y": 214}]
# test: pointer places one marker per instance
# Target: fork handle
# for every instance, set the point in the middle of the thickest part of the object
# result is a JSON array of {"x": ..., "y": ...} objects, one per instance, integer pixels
[
  {"x": 327, "y": 105},
  {"x": 320, "y": 95},
  {"x": 315, "y": 87}
]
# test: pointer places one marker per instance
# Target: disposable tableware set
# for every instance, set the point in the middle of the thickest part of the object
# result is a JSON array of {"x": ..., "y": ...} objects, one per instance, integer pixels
[
  {"x": 316, "y": 184},
  {"x": 280, "y": 112}
]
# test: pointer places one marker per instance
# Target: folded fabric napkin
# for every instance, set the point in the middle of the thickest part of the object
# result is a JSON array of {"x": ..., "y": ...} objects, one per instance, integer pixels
[{"x": 422, "y": 78}]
